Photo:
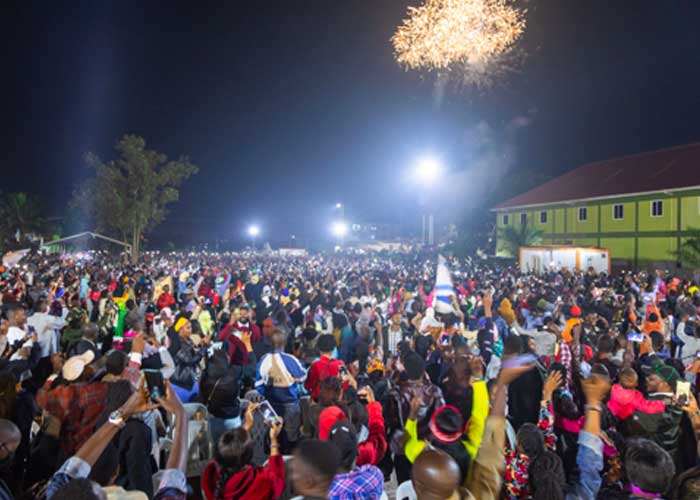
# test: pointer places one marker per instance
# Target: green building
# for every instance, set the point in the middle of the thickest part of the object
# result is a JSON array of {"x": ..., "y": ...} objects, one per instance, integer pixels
[{"x": 639, "y": 207}]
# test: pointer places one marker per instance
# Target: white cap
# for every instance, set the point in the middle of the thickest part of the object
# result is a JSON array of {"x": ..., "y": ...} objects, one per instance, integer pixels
[{"x": 74, "y": 366}]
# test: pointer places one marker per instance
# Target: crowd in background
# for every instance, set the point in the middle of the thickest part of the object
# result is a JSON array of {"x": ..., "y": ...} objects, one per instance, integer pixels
[{"x": 232, "y": 376}]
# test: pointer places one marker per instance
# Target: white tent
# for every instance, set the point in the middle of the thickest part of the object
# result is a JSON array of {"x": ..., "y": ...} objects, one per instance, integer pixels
[{"x": 542, "y": 259}]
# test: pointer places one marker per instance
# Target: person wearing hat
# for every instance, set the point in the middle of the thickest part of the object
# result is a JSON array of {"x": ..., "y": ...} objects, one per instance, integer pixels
[
  {"x": 352, "y": 482},
  {"x": 446, "y": 433},
  {"x": 71, "y": 480},
  {"x": 187, "y": 357},
  {"x": 75, "y": 400},
  {"x": 162, "y": 322},
  {"x": 372, "y": 437},
  {"x": 663, "y": 428}
]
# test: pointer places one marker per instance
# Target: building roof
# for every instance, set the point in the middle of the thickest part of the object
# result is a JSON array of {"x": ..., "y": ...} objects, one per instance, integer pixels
[{"x": 669, "y": 169}]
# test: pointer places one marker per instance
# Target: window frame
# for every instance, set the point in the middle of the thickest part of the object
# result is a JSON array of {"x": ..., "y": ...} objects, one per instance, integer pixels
[
  {"x": 651, "y": 208},
  {"x": 622, "y": 211},
  {"x": 505, "y": 219},
  {"x": 523, "y": 218},
  {"x": 544, "y": 215},
  {"x": 578, "y": 214}
]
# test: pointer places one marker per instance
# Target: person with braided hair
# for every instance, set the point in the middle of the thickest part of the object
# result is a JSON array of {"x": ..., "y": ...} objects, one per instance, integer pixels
[
  {"x": 547, "y": 477},
  {"x": 547, "y": 480},
  {"x": 531, "y": 441},
  {"x": 229, "y": 475}
]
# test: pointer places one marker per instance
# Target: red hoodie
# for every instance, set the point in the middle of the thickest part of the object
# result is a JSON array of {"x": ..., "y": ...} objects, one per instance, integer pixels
[
  {"x": 369, "y": 452},
  {"x": 251, "y": 483},
  {"x": 165, "y": 300}
]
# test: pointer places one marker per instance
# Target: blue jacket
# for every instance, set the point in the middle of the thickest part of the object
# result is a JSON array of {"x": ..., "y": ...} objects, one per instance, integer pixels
[{"x": 277, "y": 376}]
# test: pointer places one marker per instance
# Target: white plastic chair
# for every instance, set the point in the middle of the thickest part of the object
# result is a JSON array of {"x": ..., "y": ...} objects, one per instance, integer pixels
[
  {"x": 405, "y": 491},
  {"x": 199, "y": 447},
  {"x": 192, "y": 408}
]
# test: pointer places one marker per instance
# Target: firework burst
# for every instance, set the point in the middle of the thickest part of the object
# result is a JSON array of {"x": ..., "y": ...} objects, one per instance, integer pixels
[{"x": 467, "y": 39}]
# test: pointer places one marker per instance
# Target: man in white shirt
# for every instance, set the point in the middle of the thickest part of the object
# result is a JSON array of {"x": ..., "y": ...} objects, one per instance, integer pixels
[
  {"x": 47, "y": 328},
  {"x": 18, "y": 326}
]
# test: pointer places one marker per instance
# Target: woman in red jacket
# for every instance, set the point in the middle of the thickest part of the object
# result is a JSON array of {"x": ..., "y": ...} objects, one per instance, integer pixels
[{"x": 230, "y": 477}]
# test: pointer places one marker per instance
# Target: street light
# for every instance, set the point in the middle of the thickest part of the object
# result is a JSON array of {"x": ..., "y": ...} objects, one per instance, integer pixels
[
  {"x": 338, "y": 206},
  {"x": 427, "y": 172},
  {"x": 428, "y": 169},
  {"x": 253, "y": 232},
  {"x": 339, "y": 230}
]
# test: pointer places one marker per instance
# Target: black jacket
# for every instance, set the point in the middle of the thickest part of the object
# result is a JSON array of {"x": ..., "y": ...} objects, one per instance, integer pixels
[
  {"x": 220, "y": 394},
  {"x": 135, "y": 461},
  {"x": 186, "y": 359}
]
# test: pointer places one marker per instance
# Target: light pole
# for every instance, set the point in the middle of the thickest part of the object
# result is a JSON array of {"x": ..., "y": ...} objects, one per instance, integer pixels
[
  {"x": 253, "y": 232},
  {"x": 427, "y": 173},
  {"x": 341, "y": 209},
  {"x": 339, "y": 229}
]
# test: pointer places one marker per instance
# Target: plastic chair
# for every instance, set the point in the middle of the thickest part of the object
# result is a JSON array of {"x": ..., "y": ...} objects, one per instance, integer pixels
[
  {"x": 193, "y": 408},
  {"x": 405, "y": 491},
  {"x": 199, "y": 447},
  {"x": 156, "y": 479}
]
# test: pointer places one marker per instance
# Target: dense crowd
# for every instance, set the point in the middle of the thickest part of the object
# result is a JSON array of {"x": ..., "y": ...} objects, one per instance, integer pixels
[{"x": 239, "y": 376}]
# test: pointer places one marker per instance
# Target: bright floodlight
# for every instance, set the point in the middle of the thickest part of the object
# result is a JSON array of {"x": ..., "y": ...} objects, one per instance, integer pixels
[
  {"x": 428, "y": 169},
  {"x": 339, "y": 229},
  {"x": 338, "y": 205},
  {"x": 253, "y": 231}
]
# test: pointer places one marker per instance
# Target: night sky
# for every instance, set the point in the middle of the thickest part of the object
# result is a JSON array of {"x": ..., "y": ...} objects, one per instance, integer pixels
[{"x": 288, "y": 107}]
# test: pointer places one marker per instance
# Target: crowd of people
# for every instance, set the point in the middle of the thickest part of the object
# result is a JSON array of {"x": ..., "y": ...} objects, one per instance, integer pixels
[{"x": 243, "y": 376}]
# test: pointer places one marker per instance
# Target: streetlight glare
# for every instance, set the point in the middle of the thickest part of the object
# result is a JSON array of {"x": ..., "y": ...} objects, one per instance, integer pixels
[
  {"x": 428, "y": 169},
  {"x": 338, "y": 205},
  {"x": 253, "y": 231},
  {"x": 339, "y": 229}
]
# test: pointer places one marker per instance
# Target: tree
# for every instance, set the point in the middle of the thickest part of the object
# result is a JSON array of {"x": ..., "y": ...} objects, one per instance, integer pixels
[
  {"x": 130, "y": 195},
  {"x": 689, "y": 252},
  {"x": 20, "y": 212},
  {"x": 511, "y": 238}
]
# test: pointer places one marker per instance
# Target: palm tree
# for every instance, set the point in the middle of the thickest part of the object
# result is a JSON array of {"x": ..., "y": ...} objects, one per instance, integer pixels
[
  {"x": 689, "y": 252},
  {"x": 511, "y": 238},
  {"x": 20, "y": 212}
]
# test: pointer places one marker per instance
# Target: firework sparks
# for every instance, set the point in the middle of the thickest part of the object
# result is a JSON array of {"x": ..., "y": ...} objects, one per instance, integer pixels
[{"x": 464, "y": 37}]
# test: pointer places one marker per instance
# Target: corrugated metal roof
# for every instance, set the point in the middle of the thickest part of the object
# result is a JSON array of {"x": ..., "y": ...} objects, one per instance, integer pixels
[{"x": 666, "y": 169}]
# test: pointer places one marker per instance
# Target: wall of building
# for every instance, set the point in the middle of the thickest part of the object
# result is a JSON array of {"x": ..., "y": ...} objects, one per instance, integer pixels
[{"x": 639, "y": 236}]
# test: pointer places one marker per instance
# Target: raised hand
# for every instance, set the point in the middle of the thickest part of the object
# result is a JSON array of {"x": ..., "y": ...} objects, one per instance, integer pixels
[{"x": 550, "y": 385}]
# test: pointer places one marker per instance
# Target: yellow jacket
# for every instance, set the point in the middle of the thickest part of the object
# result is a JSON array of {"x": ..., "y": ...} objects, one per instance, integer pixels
[{"x": 475, "y": 431}]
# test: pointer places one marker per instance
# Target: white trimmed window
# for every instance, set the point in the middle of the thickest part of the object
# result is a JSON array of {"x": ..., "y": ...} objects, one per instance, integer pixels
[
  {"x": 506, "y": 220},
  {"x": 618, "y": 211},
  {"x": 543, "y": 217},
  {"x": 523, "y": 218},
  {"x": 657, "y": 208},
  {"x": 582, "y": 214}
]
